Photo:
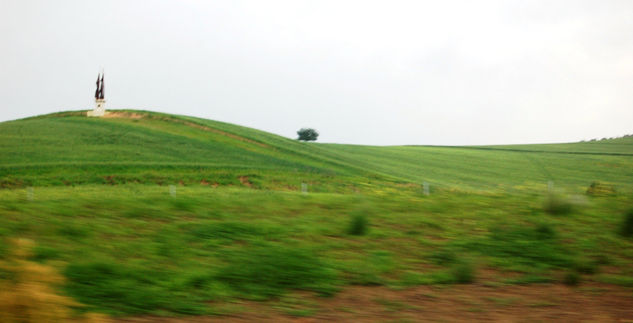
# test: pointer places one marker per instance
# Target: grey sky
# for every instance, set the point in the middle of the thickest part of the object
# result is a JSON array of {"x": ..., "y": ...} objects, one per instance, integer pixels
[{"x": 363, "y": 72}]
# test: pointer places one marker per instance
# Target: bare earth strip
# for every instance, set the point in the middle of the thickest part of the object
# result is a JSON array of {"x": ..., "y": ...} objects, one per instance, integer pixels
[{"x": 591, "y": 302}]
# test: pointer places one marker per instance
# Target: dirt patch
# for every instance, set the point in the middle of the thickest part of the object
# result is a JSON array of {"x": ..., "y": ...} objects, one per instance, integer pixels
[
  {"x": 126, "y": 115},
  {"x": 244, "y": 180},
  {"x": 204, "y": 182},
  {"x": 592, "y": 302}
]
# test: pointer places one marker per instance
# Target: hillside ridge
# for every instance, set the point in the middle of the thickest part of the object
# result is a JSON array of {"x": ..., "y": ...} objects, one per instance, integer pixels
[{"x": 139, "y": 146}]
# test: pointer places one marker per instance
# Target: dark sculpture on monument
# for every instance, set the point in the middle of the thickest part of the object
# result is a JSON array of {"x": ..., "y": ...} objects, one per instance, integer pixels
[{"x": 99, "y": 109}]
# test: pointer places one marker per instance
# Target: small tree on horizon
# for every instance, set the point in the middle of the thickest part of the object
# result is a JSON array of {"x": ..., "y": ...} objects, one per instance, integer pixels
[{"x": 307, "y": 134}]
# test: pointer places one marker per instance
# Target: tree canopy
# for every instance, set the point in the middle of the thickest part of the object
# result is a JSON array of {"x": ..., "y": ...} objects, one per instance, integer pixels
[{"x": 307, "y": 134}]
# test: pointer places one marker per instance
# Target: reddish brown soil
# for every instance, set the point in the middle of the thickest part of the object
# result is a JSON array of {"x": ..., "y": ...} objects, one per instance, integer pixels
[
  {"x": 244, "y": 180},
  {"x": 590, "y": 302}
]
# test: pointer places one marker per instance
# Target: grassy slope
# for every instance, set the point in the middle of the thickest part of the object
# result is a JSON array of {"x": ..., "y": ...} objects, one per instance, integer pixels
[
  {"x": 69, "y": 148},
  {"x": 135, "y": 249}
]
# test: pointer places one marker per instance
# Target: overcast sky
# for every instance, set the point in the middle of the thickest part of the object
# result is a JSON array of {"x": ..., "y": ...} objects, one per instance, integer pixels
[{"x": 362, "y": 72}]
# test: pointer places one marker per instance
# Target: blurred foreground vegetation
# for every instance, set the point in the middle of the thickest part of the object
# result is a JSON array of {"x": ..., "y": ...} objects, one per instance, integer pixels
[{"x": 140, "y": 249}]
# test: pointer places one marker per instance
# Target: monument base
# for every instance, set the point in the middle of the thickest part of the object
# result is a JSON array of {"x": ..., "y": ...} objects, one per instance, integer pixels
[{"x": 99, "y": 109}]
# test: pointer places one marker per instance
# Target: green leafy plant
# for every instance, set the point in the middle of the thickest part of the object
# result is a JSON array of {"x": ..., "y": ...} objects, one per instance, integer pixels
[
  {"x": 358, "y": 225},
  {"x": 626, "y": 229}
]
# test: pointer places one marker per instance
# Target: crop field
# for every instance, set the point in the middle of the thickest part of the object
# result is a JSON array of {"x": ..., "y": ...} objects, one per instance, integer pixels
[{"x": 146, "y": 216}]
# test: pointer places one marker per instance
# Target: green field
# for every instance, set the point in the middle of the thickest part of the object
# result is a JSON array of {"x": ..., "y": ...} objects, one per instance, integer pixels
[{"x": 148, "y": 213}]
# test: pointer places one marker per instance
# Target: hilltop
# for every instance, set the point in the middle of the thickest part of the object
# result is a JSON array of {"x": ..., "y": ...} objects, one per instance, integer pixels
[{"x": 68, "y": 148}]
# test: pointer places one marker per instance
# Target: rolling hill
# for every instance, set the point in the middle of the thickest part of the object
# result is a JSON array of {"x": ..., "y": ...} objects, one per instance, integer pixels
[
  {"x": 234, "y": 228},
  {"x": 68, "y": 148}
]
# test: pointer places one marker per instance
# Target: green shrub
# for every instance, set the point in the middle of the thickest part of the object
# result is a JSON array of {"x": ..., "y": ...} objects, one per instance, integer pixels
[
  {"x": 121, "y": 289},
  {"x": 586, "y": 266},
  {"x": 600, "y": 189},
  {"x": 463, "y": 272},
  {"x": 525, "y": 246},
  {"x": 571, "y": 278},
  {"x": 443, "y": 257},
  {"x": 370, "y": 269},
  {"x": 358, "y": 225},
  {"x": 43, "y": 253},
  {"x": 73, "y": 231},
  {"x": 267, "y": 271},
  {"x": 626, "y": 230},
  {"x": 231, "y": 231},
  {"x": 557, "y": 204}
]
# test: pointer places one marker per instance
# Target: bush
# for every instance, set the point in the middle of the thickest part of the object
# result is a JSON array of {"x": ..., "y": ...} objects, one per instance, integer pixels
[
  {"x": 358, "y": 225},
  {"x": 463, "y": 272},
  {"x": 526, "y": 246},
  {"x": 572, "y": 278},
  {"x": 231, "y": 231},
  {"x": 267, "y": 271},
  {"x": 586, "y": 266},
  {"x": 443, "y": 257},
  {"x": 118, "y": 288},
  {"x": 600, "y": 189},
  {"x": 557, "y": 204},
  {"x": 626, "y": 229},
  {"x": 370, "y": 269},
  {"x": 43, "y": 253},
  {"x": 307, "y": 134}
]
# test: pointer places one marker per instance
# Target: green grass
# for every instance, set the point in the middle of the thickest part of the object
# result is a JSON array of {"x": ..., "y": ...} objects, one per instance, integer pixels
[
  {"x": 165, "y": 214},
  {"x": 70, "y": 149},
  {"x": 131, "y": 249}
]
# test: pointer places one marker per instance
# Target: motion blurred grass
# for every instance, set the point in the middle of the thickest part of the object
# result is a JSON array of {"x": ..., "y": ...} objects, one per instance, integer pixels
[{"x": 135, "y": 249}]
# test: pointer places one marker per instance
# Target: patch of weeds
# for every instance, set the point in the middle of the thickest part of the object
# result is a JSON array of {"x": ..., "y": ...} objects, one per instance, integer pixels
[
  {"x": 3, "y": 248},
  {"x": 586, "y": 266},
  {"x": 168, "y": 244},
  {"x": 620, "y": 280},
  {"x": 183, "y": 204},
  {"x": 600, "y": 189},
  {"x": 463, "y": 272},
  {"x": 443, "y": 257},
  {"x": 602, "y": 259},
  {"x": 266, "y": 271},
  {"x": 140, "y": 212},
  {"x": 370, "y": 270},
  {"x": 626, "y": 228},
  {"x": 414, "y": 278},
  {"x": 124, "y": 289},
  {"x": 525, "y": 246},
  {"x": 231, "y": 231},
  {"x": 571, "y": 278},
  {"x": 358, "y": 225},
  {"x": 557, "y": 204},
  {"x": 19, "y": 228},
  {"x": 43, "y": 253},
  {"x": 73, "y": 231}
]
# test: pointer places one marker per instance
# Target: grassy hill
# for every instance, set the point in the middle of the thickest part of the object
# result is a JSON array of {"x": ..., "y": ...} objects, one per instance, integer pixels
[
  {"x": 147, "y": 147},
  {"x": 235, "y": 227}
]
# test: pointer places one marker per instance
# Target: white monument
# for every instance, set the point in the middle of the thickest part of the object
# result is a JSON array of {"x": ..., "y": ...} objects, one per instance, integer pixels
[{"x": 99, "y": 109}]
